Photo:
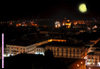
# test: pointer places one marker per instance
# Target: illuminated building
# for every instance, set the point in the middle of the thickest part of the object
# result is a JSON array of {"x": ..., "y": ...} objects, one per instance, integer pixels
[
  {"x": 66, "y": 23},
  {"x": 17, "y": 49},
  {"x": 93, "y": 58},
  {"x": 18, "y": 24},
  {"x": 62, "y": 50},
  {"x": 66, "y": 51},
  {"x": 14, "y": 50},
  {"x": 24, "y": 24},
  {"x": 93, "y": 55},
  {"x": 57, "y": 24},
  {"x": 40, "y": 50},
  {"x": 59, "y": 47}
]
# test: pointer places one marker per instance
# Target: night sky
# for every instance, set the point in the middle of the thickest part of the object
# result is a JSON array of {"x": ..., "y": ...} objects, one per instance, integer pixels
[{"x": 47, "y": 9}]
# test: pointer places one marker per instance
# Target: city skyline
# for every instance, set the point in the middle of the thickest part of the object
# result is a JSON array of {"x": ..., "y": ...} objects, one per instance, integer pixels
[{"x": 50, "y": 34}]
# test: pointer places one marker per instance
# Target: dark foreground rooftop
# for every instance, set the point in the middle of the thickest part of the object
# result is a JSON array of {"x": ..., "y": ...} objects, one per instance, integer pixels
[{"x": 25, "y": 61}]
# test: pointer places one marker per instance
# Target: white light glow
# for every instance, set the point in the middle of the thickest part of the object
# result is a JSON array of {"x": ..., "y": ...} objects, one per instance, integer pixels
[
  {"x": 85, "y": 57},
  {"x": 6, "y": 55},
  {"x": 57, "y": 24},
  {"x": 93, "y": 63},
  {"x": 89, "y": 68},
  {"x": 12, "y": 54},
  {"x": 88, "y": 63},
  {"x": 41, "y": 53},
  {"x": 99, "y": 63}
]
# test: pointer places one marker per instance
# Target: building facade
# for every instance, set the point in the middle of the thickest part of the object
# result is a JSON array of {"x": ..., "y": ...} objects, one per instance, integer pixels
[
  {"x": 93, "y": 59},
  {"x": 65, "y": 52},
  {"x": 14, "y": 50}
]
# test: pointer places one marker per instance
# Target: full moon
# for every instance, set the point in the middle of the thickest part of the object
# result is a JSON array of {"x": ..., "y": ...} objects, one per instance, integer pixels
[{"x": 82, "y": 8}]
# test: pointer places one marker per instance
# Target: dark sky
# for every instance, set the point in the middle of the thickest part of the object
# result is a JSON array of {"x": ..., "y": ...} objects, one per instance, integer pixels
[{"x": 47, "y": 9}]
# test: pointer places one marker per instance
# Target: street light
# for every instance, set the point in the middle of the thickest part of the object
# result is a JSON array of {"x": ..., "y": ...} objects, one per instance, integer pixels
[
  {"x": 89, "y": 68},
  {"x": 81, "y": 65},
  {"x": 81, "y": 62},
  {"x": 78, "y": 65}
]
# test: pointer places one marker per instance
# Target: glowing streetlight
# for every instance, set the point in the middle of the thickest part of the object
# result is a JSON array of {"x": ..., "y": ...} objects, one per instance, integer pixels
[
  {"x": 78, "y": 65},
  {"x": 89, "y": 68},
  {"x": 81, "y": 62},
  {"x": 57, "y": 24}
]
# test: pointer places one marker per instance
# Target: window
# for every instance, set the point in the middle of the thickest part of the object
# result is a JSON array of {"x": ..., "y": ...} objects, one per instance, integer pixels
[
  {"x": 62, "y": 51},
  {"x": 78, "y": 52},
  {"x": 57, "y": 51},
  {"x": 54, "y": 51},
  {"x": 73, "y": 52},
  {"x": 66, "y": 51},
  {"x": 70, "y": 52}
]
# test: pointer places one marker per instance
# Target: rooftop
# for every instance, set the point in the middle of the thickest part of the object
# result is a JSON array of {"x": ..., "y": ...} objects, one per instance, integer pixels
[
  {"x": 63, "y": 44},
  {"x": 97, "y": 45}
]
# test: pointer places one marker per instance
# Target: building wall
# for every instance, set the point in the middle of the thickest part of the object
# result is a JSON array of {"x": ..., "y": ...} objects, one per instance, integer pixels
[
  {"x": 40, "y": 51},
  {"x": 93, "y": 60},
  {"x": 65, "y": 52},
  {"x": 14, "y": 50}
]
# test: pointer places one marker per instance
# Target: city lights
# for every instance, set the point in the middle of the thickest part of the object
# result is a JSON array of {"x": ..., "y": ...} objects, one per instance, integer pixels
[
  {"x": 57, "y": 40},
  {"x": 78, "y": 65},
  {"x": 51, "y": 34},
  {"x": 81, "y": 62},
  {"x": 57, "y": 24},
  {"x": 6, "y": 55},
  {"x": 39, "y": 53},
  {"x": 88, "y": 63},
  {"x": 89, "y": 68},
  {"x": 99, "y": 63}
]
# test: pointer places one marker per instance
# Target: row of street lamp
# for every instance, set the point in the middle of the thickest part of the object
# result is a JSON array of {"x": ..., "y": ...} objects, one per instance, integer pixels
[{"x": 78, "y": 65}]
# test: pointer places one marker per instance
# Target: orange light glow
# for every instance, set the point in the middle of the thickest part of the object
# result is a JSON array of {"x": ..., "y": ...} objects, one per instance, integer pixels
[
  {"x": 50, "y": 40},
  {"x": 78, "y": 65},
  {"x": 68, "y": 20},
  {"x": 57, "y": 40},
  {"x": 67, "y": 23},
  {"x": 34, "y": 24},
  {"x": 75, "y": 23},
  {"x": 19, "y": 24}
]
